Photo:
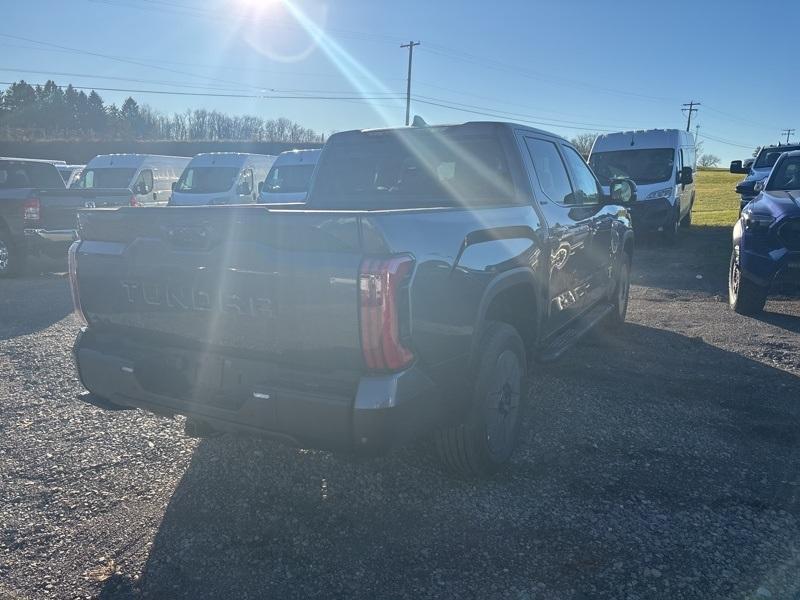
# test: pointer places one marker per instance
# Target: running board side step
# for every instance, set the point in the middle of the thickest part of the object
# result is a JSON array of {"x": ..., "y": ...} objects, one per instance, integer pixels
[
  {"x": 99, "y": 402},
  {"x": 556, "y": 348}
]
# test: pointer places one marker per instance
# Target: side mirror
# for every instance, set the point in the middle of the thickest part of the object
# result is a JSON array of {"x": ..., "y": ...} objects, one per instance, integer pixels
[
  {"x": 260, "y": 186},
  {"x": 622, "y": 191},
  {"x": 759, "y": 186},
  {"x": 174, "y": 185},
  {"x": 738, "y": 167},
  {"x": 687, "y": 176}
]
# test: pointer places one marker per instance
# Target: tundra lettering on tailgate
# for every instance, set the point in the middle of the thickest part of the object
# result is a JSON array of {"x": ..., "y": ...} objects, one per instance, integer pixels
[{"x": 190, "y": 298}]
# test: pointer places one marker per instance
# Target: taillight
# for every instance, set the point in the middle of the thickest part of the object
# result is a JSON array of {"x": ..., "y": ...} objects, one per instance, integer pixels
[
  {"x": 72, "y": 262},
  {"x": 133, "y": 201},
  {"x": 382, "y": 284},
  {"x": 32, "y": 209}
]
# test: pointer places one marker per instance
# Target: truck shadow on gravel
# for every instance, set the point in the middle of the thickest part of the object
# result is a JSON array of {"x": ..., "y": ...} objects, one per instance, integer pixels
[
  {"x": 651, "y": 464},
  {"x": 35, "y": 301}
]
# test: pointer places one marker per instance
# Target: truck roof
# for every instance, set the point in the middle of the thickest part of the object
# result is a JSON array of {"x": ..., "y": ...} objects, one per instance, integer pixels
[
  {"x": 467, "y": 127},
  {"x": 643, "y": 138},
  {"x": 57, "y": 163}
]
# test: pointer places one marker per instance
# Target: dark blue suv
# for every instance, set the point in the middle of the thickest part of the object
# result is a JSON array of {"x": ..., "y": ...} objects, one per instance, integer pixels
[{"x": 766, "y": 239}]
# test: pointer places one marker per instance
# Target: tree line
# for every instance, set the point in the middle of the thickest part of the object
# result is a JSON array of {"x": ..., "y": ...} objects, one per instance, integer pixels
[{"x": 51, "y": 111}]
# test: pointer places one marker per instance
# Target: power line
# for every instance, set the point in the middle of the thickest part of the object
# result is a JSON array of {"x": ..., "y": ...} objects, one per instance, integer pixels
[{"x": 410, "y": 45}]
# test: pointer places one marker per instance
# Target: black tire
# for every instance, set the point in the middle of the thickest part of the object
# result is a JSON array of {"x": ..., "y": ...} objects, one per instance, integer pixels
[
  {"x": 744, "y": 295},
  {"x": 669, "y": 235},
  {"x": 485, "y": 440},
  {"x": 620, "y": 296},
  {"x": 12, "y": 258},
  {"x": 687, "y": 219}
]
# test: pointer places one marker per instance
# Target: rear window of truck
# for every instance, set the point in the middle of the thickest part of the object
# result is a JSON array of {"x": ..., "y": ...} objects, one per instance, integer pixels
[
  {"x": 29, "y": 175},
  {"x": 412, "y": 169}
]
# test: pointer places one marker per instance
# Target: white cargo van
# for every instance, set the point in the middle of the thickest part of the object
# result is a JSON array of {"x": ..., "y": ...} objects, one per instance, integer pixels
[
  {"x": 148, "y": 176},
  {"x": 289, "y": 178},
  {"x": 221, "y": 178},
  {"x": 662, "y": 164}
]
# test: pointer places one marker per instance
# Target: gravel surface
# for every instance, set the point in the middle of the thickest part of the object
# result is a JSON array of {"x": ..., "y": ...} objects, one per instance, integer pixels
[{"x": 659, "y": 463}]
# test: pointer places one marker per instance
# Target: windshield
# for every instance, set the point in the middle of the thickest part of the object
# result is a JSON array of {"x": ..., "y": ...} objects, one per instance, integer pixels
[
  {"x": 289, "y": 179},
  {"x": 643, "y": 166},
  {"x": 412, "y": 169},
  {"x": 207, "y": 180},
  {"x": 107, "y": 178},
  {"x": 769, "y": 156},
  {"x": 786, "y": 175},
  {"x": 25, "y": 175}
]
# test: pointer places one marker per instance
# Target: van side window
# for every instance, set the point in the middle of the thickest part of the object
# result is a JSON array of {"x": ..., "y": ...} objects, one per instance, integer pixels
[
  {"x": 145, "y": 182},
  {"x": 246, "y": 182},
  {"x": 587, "y": 190},
  {"x": 550, "y": 170}
]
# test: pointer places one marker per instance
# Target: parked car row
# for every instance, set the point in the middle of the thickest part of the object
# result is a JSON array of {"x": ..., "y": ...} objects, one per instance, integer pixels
[{"x": 39, "y": 199}]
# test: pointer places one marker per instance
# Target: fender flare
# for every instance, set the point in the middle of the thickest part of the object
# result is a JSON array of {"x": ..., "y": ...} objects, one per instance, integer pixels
[{"x": 501, "y": 283}]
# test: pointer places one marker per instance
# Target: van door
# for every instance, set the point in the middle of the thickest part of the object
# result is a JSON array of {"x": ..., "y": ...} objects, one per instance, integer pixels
[{"x": 684, "y": 190}]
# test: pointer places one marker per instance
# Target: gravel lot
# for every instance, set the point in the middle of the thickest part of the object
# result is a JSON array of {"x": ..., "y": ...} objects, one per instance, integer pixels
[{"x": 661, "y": 463}]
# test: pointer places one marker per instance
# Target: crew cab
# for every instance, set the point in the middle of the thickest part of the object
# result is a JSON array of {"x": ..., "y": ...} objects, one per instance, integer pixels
[
  {"x": 22, "y": 181},
  {"x": 428, "y": 267},
  {"x": 757, "y": 170},
  {"x": 766, "y": 239}
]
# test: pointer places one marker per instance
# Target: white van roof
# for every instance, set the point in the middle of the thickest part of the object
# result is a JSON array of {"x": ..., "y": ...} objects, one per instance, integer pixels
[
  {"x": 298, "y": 157},
  {"x": 132, "y": 160},
  {"x": 642, "y": 138},
  {"x": 228, "y": 159}
]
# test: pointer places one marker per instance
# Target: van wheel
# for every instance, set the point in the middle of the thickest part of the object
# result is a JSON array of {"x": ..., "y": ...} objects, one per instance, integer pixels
[
  {"x": 670, "y": 233},
  {"x": 12, "y": 258},
  {"x": 485, "y": 440},
  {"x": 687, "y": 220},
  {"x": 744, "y": 296}
]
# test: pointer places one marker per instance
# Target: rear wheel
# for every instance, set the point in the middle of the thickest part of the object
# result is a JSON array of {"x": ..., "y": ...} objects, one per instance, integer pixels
[
  {"x": 12, "y": 258},
  {"x": 485, "y": 440},
  {"x": 744, "y": 296}
]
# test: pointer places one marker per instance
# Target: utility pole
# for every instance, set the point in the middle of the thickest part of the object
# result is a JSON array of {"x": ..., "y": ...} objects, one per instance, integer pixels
[
  {"x": 689, "y": 107},
  {"x": 410, "y": 45},
  {"x": 787, "y": 133},
  {"x": 696, "y": 133}
]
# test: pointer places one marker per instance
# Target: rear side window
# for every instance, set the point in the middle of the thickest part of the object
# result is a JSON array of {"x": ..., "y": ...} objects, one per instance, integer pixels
[
  {"x": 409, "y": 169},
  {"x": 550, "y": 170},
  {"x": 29, "y": 175}
]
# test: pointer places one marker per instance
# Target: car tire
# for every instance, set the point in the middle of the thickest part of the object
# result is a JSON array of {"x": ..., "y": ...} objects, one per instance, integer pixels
[
  {"x": 687, "y": 219},
  {"x": 485, "y": 440},
  {"x": 620, "y": 296},
  {"x": 744, "y": 295},
  {"x": 12, "y": 257},
  {"x": 669, "y": 234}
]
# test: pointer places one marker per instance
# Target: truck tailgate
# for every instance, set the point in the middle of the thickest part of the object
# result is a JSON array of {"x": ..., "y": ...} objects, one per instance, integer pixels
[{"x": 281, "y": 285}]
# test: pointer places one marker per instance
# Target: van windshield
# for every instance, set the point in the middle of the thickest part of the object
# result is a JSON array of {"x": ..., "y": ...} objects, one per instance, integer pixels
[
  {"x": 769, "y": 156},
  {"x": 412, "y": 169},
  {"x": 643, "y": 166},
  {"x": 207, "y": 180},
  {"x": 107, "y": 178},
  {"x": 289, "y": 179}
]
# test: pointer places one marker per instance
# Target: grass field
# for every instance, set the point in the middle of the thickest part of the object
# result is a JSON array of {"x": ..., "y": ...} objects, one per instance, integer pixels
[{"x": 716, "y": 203}]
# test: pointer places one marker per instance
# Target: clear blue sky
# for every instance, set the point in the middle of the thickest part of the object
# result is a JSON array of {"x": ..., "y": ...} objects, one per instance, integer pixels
[{"x": 567, "y": 64}]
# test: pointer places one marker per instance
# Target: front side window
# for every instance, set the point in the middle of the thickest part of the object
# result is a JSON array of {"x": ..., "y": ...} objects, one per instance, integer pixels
[
  {"x": 144, "y": 183},
  {"x": 245, "y": 185},
  {"x": 786, "y": 175},
  {"x": 642, "y": 166},
  {"x": 586, "y": 188},
  {"x": 550, "y": 170}
]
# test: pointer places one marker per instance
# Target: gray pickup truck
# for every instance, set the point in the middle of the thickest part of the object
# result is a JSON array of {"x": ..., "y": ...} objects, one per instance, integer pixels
[{"x": 429, "y": 268}]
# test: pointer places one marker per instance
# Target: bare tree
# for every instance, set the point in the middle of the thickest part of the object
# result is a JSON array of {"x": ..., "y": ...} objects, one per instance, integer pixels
[
  {"x": 708, "y": 160},
  {"x": 583, "y": 143}
]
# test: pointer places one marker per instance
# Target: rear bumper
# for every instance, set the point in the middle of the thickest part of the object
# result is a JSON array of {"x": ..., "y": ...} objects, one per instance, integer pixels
[
  {"x": 652, "y": 215},
  {"x": 370, "y": 416}
]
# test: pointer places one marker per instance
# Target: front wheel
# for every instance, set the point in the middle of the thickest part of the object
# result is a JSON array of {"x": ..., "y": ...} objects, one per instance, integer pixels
[
  {"x": 687, "y": 219},
  {"x": 619, "y": 298},
  {"x": 669, "y": 234},
  {"x": 484, "y": 441},
  {"x": 744, "y": 296}
]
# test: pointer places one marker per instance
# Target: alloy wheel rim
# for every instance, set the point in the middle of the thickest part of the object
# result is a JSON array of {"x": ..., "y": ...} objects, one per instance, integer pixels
[{"x": 502, "y": 403}]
